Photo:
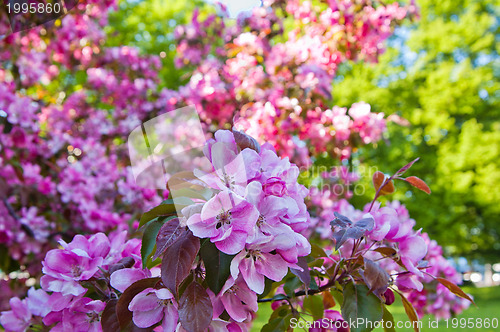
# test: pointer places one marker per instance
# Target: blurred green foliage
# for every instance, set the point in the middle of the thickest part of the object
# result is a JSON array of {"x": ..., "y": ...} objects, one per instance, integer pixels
[
  {"x": 441, "y": 74},
  {"x": 149, "y": 25}
]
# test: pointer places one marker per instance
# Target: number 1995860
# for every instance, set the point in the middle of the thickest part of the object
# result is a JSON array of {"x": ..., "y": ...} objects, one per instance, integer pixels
[{"x": 34, "y": 8}]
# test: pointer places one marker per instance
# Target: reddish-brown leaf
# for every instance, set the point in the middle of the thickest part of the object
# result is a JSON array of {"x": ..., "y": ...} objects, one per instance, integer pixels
[
  {"x": 376, "y": 278},
  {"x": 303, "y": 275},
  {"x": 386, "y": 251},
  {"x": 454, "y": 289},
  {"x": 123, "y": 314},
  {"x": 418, "y": 183},
  {"x": 178, "y": 260},
  {"x": 328, "y": 300},
  {"x": 109, "y": 319},
  {"x": 410, "y": 311},
  {"x": 195, "y": 308},
  {"x": 123, "y": 263},
  {"x": 169, "y": 233},
  {"x": 244, "y": 141},
  {"x": 379, "y": 179},
  {"x": 406, "y": 167}
]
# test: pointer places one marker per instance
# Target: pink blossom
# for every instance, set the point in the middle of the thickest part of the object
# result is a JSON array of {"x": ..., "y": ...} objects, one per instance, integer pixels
[
  {"x": 152, "y": 306},
  {"x": 227, "y": 220},
  {"x": 256, "y": 262},
  {"x": 17, "y": 319},
  {"x": 63, "y": 270},
  {"x": 237, "y": 299}
]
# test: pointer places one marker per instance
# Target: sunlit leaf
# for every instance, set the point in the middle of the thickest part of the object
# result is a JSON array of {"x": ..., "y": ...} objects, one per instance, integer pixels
[
  {"x": 379, "y": 179},
  {"x": 454, "y": 289},
  {"x": 418, "y": 183},
  {"x": 410, "y": 311}
]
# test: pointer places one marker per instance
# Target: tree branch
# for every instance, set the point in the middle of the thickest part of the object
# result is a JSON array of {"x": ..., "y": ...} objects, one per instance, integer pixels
[{"x": 14, "y": 215}]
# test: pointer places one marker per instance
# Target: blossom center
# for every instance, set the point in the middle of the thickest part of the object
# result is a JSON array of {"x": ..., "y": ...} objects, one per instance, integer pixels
[{"x": 223, "y": 219}]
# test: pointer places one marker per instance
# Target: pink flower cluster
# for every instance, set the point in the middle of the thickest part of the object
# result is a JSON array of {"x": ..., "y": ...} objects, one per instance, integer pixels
[
  {"x": 279, "y": 91},
  {"x": 257, "y": 213},
  {"x": 63, "y": 168},
  {"x": 64, "y": 301},
  {"x": 438, "y": 301}
]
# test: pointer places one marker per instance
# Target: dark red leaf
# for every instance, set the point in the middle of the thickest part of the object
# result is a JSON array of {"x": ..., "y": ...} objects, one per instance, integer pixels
[
  {"x": 123, "y": 314},
  {"x": 195, "y": 308},
  {"x": 178, "y": 260},
  {"x": 454, "y": 289},
  {"x": 123, "y": 263},
  {"x": 418, "y": 183},
  {"x": 109, "y": 319},
  {"x": 406, "y": 167},
  {"x": 376, "y": 278},
  {"x": 168, "y": 234},
  {"x": 244, "y": 141},
  {"x": 304, "y": 275}
]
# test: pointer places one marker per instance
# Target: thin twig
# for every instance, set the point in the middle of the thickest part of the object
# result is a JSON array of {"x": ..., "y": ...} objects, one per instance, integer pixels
[{"x": 14, "y": 215}]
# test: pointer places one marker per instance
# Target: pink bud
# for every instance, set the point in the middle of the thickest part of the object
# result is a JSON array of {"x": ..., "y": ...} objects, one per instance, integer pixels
[{"x": 389, "y": 296}]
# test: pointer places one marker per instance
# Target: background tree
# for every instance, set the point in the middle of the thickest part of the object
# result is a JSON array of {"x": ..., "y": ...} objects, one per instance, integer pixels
[{"x": 441, "y": 74}]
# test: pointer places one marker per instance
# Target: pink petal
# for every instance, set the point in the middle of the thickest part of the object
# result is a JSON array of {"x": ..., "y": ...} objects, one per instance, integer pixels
[
  {"x": 272, "y": 266},
  {"x": 232, "y": 244},
  {"x": 234, "y": 307},
  {"x": 254, "y": 279},
  {"x": 122, "y": 279},
  {"x": 148, "y": 318},
  {"x": 170, "y": 319},
  {"x": 144, "y": 301}
]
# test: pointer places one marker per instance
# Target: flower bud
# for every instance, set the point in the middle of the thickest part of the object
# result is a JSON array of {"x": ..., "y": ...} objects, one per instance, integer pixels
[{"x": 389, "y": 296}]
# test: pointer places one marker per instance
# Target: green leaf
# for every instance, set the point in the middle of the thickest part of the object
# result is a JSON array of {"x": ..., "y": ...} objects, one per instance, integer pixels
[
  {"x": 166, "y": 208},
  {"x": 337, "y": 295},
  {"x": 317, "y": 251},
  {"x": 387, "y": 317},
  {"x": 359, "y": 303},
  {"x": 217, "y": 266},
  {"x": 279, "y": 320},
  {"x": 314, "y": 305},
  {"x": 280, "y": 324},
  {"x": 149, "y": 239},
  {"x": 291, "y": 285},
  {"x": 313, "y": 285}
]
